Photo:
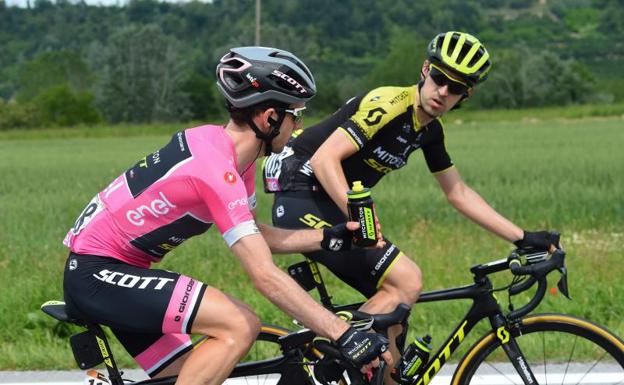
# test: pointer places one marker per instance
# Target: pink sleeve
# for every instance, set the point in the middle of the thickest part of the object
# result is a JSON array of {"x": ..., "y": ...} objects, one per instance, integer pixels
[
  {"x": 250, "y": 185},
  {"x": 226, "y": 199}
]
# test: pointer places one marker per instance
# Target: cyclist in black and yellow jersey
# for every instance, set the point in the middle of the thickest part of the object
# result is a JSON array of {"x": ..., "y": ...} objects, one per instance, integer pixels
[{"x": 370, "y": 136}]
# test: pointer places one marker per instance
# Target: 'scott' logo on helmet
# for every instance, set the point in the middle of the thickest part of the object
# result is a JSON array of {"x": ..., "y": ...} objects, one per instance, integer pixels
[{"x": 290, "y": 81}]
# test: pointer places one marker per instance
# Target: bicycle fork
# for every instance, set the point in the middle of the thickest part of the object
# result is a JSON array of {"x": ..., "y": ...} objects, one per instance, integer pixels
[{"x": 512, "y": 349}]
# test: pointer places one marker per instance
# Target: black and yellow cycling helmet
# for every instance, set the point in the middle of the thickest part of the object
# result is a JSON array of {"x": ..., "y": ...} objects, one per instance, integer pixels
[{"x": 462, "y": 53}]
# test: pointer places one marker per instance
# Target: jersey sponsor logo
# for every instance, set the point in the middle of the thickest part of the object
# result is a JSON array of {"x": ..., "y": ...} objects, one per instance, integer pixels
[
  {"x": 399, "y": 97},
  {"x": 313, "y": 221},
  {"x": 290, "y": 81},
  {"x": 253, "y": 202},
  {"x": 155, "y": 208},
  {"x": 354, "y": 135},
  {"x": 375, "y": 165},
  {"x": 279, "y": 211},
  {"x": 238, "y": 202},
  {"x": 160, "y": 241},
  {"x": 383, "y": 260},
  {"x": 391, "y": 160},
  {"x": 306, "y": 169},
  {"x": 375, "y": 98},
  {"x": 229, "y": 177},
  {"x": 131, "y": 281},
  {"x": 374, "y": 116},
  {"x": 158, "y": 165},
  {"x": 185, "y": 299}
]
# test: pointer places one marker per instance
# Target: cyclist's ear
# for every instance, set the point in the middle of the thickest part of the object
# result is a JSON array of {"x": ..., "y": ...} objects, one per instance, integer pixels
[
  {"x": 267, "y": 117},
  {"x": 424, "y": 71}
]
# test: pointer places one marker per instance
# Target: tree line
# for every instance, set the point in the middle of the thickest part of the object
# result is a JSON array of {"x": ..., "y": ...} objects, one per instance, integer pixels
[{"x": 68, "y": 63}]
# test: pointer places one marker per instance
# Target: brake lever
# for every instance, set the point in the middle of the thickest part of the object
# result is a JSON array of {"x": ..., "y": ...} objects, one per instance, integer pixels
[{"x": 562, "y": 285}]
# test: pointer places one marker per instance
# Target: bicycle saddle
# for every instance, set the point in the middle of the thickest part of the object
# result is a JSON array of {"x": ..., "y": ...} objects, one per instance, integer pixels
[{"x": 57, "y": 310}]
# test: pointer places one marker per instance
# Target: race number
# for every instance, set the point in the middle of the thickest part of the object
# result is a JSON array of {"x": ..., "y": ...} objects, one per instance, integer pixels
[{"x": 91, "y": 211}]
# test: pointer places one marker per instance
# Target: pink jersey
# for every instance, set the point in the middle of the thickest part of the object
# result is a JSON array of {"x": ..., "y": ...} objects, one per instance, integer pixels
[{"x": 167, "y": 197}]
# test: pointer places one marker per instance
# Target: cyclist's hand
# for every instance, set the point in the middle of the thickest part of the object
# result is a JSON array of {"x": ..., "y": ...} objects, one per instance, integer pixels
[
  {"x": 339, "y": 237},
  {"x": 381, "y": 243},
  {"x": 539, "y": 240},
  {"x": 362, "y": 349}
]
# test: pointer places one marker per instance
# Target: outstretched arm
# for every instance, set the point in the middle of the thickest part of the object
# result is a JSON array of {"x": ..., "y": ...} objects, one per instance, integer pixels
[
  {"x": 469, "y": 203},
  {"x": 360, "y": 348},
  {"x": 282, "y": 241}
]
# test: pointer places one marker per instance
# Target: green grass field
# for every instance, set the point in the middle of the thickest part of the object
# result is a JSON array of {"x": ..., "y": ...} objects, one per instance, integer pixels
[{"x": 561, "y": 174}]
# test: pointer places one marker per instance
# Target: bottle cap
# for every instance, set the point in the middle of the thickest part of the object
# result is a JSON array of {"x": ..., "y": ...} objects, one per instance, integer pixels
[{"x": 357, "y": 186}]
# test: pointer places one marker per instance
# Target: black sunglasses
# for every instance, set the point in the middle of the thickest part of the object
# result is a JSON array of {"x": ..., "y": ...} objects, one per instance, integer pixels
[{"x": 441, "y": 79}]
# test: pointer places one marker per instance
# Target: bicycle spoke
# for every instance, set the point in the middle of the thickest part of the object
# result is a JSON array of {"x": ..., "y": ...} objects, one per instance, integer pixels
[
  {"x": 544, "y": 355},
  {"x": 565, "y": 373},
  {"x": 593, "y": 366},
  {"x": 570, "y": 353},
  {"x": 503, "y": 374}
]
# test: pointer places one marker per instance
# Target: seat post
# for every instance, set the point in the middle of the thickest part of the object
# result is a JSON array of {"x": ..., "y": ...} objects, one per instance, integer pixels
[{"x": 111, "y": 366}]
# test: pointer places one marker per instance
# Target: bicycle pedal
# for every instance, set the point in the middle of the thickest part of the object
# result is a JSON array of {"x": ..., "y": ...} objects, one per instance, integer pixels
[{"x": 93, "y": 377}]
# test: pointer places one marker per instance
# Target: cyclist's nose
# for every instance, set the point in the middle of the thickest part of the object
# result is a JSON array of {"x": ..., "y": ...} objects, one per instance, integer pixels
[{"x": 443, "y": 91}]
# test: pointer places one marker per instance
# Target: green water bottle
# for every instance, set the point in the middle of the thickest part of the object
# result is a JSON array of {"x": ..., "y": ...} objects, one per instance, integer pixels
[
  {"x": 413, "y": 361},
  {"x": 361, "y": 210}
]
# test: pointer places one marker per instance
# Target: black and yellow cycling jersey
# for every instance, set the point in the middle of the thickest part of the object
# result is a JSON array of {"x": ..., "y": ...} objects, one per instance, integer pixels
[{"x": 382, "y": 124}]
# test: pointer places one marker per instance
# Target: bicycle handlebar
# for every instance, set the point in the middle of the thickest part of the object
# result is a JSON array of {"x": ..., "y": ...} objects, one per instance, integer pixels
[{"x": 537, "y": 269}]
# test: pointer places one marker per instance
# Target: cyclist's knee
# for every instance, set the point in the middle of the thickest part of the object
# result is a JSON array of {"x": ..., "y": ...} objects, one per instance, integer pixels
[
  {"x": 226, "y": 319},
  {"x": 243, "y": 328},
  {"x": 404, "y": 282}
]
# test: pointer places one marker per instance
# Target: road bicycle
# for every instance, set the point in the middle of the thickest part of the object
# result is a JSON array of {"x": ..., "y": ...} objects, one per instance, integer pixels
[{"x": 518, "y": 349}]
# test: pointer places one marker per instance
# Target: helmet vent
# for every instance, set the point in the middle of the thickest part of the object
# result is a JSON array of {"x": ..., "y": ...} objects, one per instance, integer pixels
[{"x": 475, "y": 58}]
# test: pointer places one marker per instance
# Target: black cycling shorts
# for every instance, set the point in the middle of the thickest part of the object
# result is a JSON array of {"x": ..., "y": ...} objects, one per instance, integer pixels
[
  {"x": 150, "y": 311},
  {"x": 364, "y": 269}
]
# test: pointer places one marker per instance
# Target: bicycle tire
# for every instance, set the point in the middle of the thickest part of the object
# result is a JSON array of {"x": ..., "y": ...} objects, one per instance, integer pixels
[
  {"x": 269, "y": 335},
  {"x": 600, "y": 353},
  {"x": 266, "y": 345}
]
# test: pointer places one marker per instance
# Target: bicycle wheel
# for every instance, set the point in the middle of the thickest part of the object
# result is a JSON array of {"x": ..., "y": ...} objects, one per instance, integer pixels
[
  {"x": 256, "y": 367},
  {"x": 559, "y": 349},
  {"x": 266, "y": 345}
]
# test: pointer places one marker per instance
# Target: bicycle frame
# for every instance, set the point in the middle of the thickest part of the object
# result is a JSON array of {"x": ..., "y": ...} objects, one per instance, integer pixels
[{"x": 484, "y": 305}]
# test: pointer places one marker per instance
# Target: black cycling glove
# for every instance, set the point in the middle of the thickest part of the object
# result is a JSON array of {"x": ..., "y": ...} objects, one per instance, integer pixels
[
  {"x": 360, "y": 348},
  {"x": 540, "y": 240},
  {"x": 337, "y": 238}
]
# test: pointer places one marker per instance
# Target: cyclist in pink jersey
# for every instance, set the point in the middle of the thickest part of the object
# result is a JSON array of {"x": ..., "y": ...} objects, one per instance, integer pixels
[{"x": 204, "y": 175}]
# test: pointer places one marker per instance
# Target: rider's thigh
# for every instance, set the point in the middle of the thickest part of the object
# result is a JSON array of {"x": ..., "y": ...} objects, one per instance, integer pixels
[
  {"x": 221, "y": 316},
  {"x": 224, "y": 320},
  {"x": 403, "y": 280}
]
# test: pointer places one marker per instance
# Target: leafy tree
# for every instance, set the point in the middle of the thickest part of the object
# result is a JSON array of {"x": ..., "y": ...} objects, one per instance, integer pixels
[
  {"x": 61, "y": 106},
  {"x": 142, "y": 78},
  {"x": 14, "y": 115},
  {"x": 402, "y": 65},
  {"x": 522, "y": 77},
  {"x": 205, "y": 102},
  {"x": 52, "y": 69}
]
